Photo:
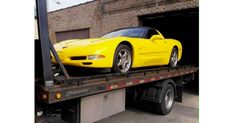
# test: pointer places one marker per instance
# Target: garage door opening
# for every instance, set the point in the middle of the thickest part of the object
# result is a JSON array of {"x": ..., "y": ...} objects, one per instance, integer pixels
[
  {"x": 72, "y": 34},
  {"x": 182, "y": 25}
]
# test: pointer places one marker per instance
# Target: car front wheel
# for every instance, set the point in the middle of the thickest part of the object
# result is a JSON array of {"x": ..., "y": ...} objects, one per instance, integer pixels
[
  {"x": 173, "y": 57},
  {"x": 122, "y": 59}
]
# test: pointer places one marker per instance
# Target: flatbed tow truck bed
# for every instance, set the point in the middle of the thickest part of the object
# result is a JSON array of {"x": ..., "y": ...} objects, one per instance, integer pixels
[{"x": 76, "y": 87}]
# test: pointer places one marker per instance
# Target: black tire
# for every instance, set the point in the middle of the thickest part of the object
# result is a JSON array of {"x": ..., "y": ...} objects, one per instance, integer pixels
[
  {"x": 173, "y": 59},
  {"x": 164, "y": 107},
  {"x": 121, "y": 48}
]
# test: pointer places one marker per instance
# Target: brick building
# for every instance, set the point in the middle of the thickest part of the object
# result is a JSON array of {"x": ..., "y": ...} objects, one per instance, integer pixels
[
  {"x": 174, "y": 18},
  {"x": 95, "y": 18}
]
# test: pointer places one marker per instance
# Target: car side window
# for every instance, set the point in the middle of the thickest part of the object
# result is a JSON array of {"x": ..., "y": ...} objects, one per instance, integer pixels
[
  {"x": 135, "y": 33},
  {"x": 151, "y": 32}
]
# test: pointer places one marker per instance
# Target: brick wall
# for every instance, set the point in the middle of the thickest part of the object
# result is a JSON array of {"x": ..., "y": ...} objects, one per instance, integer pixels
[
  {"x": 103, "y": 16},
  {"x": 73, "y": 18}
]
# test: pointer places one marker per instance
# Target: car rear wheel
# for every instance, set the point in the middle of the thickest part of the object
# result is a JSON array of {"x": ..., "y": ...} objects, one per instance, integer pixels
[
  {"x": 173, "y": 57},
  {"x": 122, "y": 59}
]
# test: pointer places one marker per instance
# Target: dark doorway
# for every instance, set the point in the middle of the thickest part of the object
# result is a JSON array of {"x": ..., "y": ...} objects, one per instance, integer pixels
[{"x": 182, "y": 25}]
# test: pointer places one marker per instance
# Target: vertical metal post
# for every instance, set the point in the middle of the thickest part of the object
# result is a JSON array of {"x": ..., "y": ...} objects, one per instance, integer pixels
[
  {"x": 78, "y": 110},
  {"x": 44, "y": 40}
]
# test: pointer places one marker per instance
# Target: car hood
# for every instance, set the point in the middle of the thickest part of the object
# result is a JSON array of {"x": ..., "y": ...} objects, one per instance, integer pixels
[
  {"x": 83, "y": 42},
  {"x": 75, "y": 43}
]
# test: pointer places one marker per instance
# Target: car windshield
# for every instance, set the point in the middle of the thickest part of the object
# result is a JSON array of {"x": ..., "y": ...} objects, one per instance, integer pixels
[{"x": 130, "y": 32}]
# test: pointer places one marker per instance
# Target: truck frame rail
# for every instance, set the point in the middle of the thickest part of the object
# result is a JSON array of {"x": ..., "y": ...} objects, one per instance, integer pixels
[{"x": 76, "y": 87}]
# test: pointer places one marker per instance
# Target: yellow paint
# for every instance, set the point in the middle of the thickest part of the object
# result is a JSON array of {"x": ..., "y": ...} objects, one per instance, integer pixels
[{"x": 146, "y": 52}]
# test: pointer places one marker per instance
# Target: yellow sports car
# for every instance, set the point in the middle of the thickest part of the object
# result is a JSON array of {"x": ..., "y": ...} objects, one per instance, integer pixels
[{"x": 121, "y": 50}]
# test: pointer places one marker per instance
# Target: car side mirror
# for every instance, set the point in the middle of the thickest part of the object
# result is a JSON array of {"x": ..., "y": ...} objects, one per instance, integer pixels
[{"x": 156, "y": 37}]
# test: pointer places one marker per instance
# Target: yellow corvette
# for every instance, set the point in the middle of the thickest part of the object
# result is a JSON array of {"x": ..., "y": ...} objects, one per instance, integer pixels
[{"x": 121, "y": 50}]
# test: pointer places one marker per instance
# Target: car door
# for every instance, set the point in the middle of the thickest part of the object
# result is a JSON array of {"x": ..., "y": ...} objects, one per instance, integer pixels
[{"x": 154, "y": 51}]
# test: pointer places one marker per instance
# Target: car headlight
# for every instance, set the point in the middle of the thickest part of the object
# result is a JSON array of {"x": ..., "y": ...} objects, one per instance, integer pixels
[{"x": 94, "y": 57}]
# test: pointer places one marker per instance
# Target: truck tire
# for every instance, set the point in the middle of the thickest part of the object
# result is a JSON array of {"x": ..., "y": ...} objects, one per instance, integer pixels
[{"x": 167, "y": 101}]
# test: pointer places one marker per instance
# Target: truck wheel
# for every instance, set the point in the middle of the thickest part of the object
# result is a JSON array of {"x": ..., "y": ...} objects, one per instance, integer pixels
[
  {"x": 122, "y": 59},
  {"x": 167, "y": 101}
]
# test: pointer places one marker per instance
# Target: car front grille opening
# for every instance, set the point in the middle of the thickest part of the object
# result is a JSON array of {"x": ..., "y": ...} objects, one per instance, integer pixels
[
  {"x": 87, "y": 63},
  {"x": 78, "y": 58}
]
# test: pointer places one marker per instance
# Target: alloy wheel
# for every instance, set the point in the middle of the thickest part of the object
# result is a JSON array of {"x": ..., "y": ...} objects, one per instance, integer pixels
[
  {"x": 174, "y": 58},
  {"x": 124, "y": 60},
  {"x": 169, "y": 98}
]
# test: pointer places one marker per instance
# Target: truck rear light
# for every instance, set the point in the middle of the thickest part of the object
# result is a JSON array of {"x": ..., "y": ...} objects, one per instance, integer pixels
[
  {"x": 58, "y": 95},
  {"x": 44, "y": 96}
]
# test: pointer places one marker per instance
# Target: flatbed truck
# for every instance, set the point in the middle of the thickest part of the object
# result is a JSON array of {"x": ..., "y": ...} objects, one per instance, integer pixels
[{"x": 56, "y": 92}]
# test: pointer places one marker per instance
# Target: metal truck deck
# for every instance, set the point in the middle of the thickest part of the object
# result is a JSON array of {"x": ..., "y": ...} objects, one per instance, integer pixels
[{"x": 76, "y": 87}]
